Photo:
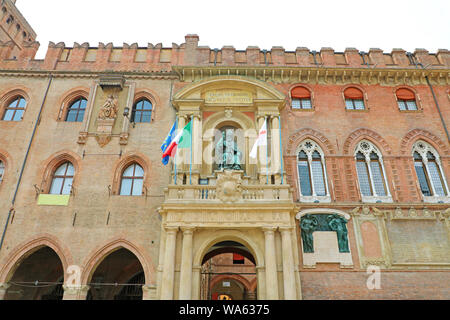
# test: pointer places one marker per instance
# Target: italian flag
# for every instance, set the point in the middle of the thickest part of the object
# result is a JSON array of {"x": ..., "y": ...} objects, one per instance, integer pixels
[
  {"x": 182, "y": 140},
  {"x": 260, "y": 141}
]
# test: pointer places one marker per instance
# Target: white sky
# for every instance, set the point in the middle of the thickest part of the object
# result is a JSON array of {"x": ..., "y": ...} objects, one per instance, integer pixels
[{"x": 385, "y": 24}]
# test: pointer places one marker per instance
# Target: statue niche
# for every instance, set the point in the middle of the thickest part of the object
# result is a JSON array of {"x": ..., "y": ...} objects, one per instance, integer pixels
[
  {"x": 106, "y": 119},
  {"x": 228, "y": 156}
]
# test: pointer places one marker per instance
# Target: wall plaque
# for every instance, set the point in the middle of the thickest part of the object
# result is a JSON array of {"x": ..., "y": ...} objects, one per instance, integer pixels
[{"x": 228, "y": 96}]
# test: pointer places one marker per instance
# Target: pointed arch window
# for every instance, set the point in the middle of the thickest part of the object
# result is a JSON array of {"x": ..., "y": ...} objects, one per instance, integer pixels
[
  {"x": 15, "y": 109},
  {"x": 370, "y": 170},
  {"x": 75, "y": 112},
  {"x": 311, "y": 171},
  {"x": 429, "y": 171},
  {"x": 62, "y": 179},
  {"x": 142, "y": 111},
  {"x": 132, "y": 181}
]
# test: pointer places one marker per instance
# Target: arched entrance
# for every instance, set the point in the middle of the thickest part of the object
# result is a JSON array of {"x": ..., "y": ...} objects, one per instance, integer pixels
[
  {"x": 228, "y": 272},
  {"x": 38, "y": 277},
  {"x": 119, "y": 276}
]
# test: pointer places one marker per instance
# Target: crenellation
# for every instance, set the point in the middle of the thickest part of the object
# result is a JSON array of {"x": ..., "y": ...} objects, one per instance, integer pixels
[
  {"x": 108, "y": 57},
  {"x": 252, "y": 54},
  {"x": 302, "y": 54},
  {"x": 228, "y": 53},
  {"x": 353, "y": 57},
  {"x": 278, "y": 55},
  {"x": 443, "y": 56},
  {"x": 327, "y": 55},
  {"x": 399, "y": 57}
]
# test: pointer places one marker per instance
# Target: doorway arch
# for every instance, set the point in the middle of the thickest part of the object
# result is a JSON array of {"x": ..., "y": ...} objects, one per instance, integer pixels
[
  {"x": 39, "y": 275},
  {"x": 119, "y": 276},
  {"x": 228, "y": 269}
]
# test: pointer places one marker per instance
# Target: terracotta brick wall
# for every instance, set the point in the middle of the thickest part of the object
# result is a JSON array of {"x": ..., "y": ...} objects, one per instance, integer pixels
[{"x": 394, "y": 285}]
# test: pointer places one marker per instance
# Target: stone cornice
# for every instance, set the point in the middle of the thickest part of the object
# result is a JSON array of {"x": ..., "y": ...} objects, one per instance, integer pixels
[
  {"x": 87, "y": 74},
  {"x": 319, "y": 75}
]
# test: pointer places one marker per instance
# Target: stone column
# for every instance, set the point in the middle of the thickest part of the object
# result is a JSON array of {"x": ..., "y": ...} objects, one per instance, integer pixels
[
  {"x": 196, "y": 142},
  {"x": 262, "y": 154},
  {"x": 75, "y": 292},
  {"x": 169, "y": 264},
  {"x": 196, "y": 282},
  {"x": 180, "y": 161},
  {"x": 186, "y": 265},
  {"x": 288, "y": 264},
  {"x": 276, "y": 157},
  {"x": 271, "y": 264},
  {"x": 261, "y": 286},
  {"x": 3, "y": 288},
  {"x": 149, "y": 292}
]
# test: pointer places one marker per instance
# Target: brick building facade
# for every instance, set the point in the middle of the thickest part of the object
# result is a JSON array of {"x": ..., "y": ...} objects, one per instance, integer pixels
[{"x": 354, "y": 177}]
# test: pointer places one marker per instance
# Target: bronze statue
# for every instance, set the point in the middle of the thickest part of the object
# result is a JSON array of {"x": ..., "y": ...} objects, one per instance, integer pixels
[
  {"x": 308, "y": 224},
  {"x": 338, "y": 224},
  {"x": 227, "y": 152}
]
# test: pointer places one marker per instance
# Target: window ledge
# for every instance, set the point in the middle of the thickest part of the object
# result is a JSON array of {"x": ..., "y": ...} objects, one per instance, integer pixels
[
  {"x": 53, "y": 200},
  {"x": 320, "y": 199},
  {"x": 436, "y": 199},
  {"x": 357, "y": 110},
  {"x": 411, "y": 111},
  {"x": 375, "y": 199},
  {"x": 302, "y": 110}
]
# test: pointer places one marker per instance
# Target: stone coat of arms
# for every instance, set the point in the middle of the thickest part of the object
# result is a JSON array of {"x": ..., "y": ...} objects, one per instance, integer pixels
[{"x": 229, "y": 187}]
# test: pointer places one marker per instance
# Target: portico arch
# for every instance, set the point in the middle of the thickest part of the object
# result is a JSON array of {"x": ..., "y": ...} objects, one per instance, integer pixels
[{"x": 229, "y": 235}]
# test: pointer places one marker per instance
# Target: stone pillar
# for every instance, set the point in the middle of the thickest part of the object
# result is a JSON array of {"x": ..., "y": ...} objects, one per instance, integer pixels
[
  {"x": 276, "y": 157},
  {"x": 169, "y": 264},
  {"x": 271, "y": 264},
  {"x": 180, "y": 153},
  {"x": 186, "y": 265},
  {"x": 196, "y": 282},
  {"x": 197, "y": 142},
  {"x": 288, "y": 264},
  {"x": 262, "y": 154},
  {"x": 261, "y": 286},
  {"x": 75, "y": 292},
  {"x": 3, "y": 288},
  {"x": 149, "y": 292}
]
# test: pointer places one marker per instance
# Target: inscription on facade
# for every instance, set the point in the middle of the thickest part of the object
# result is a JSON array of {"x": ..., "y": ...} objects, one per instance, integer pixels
[{"x": 228, "y": 97}]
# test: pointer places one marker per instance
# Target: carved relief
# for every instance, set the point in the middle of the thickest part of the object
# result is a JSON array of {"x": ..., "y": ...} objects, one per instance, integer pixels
[
  {"x": 109, "y": 108},
  {"x": 229, "y": 187}
]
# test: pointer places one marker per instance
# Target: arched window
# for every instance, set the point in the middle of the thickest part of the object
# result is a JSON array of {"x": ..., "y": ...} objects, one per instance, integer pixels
[
  {"x": 132, "y": 181},
  {"x": 2, "y": 170},
  {"x": 75, "y": 112},
  {"x": 142, "y": 111},
  {"x": 15, "y": 109},
  {"x": 406, "y": 99},
  {"x": 354, "y": 99},
  {"x": 301, "y": 98},
  {"x": 429, "y": 171},
  {"x": 62, "y": 179},
  {"x": 311, "y": 170},
  {"x": 370, "y": 170}
]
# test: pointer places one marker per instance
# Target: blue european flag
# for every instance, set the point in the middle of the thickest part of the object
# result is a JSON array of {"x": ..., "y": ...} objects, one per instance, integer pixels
[{"x": 167, "y": 142}]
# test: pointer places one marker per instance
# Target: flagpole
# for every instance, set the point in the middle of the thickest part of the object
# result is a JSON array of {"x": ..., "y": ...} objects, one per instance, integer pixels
[
  {"x": 267, "y": 153},
  {"x": 281, "y": 150},
  {"x": 175, "y": 158},
  {"x": 190, "y": 166}
]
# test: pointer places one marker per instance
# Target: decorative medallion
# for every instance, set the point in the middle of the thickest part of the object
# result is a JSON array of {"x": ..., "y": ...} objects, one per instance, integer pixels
[
  {"x": 229, "y": 187},
  {"x": 103, "y": 139}
]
